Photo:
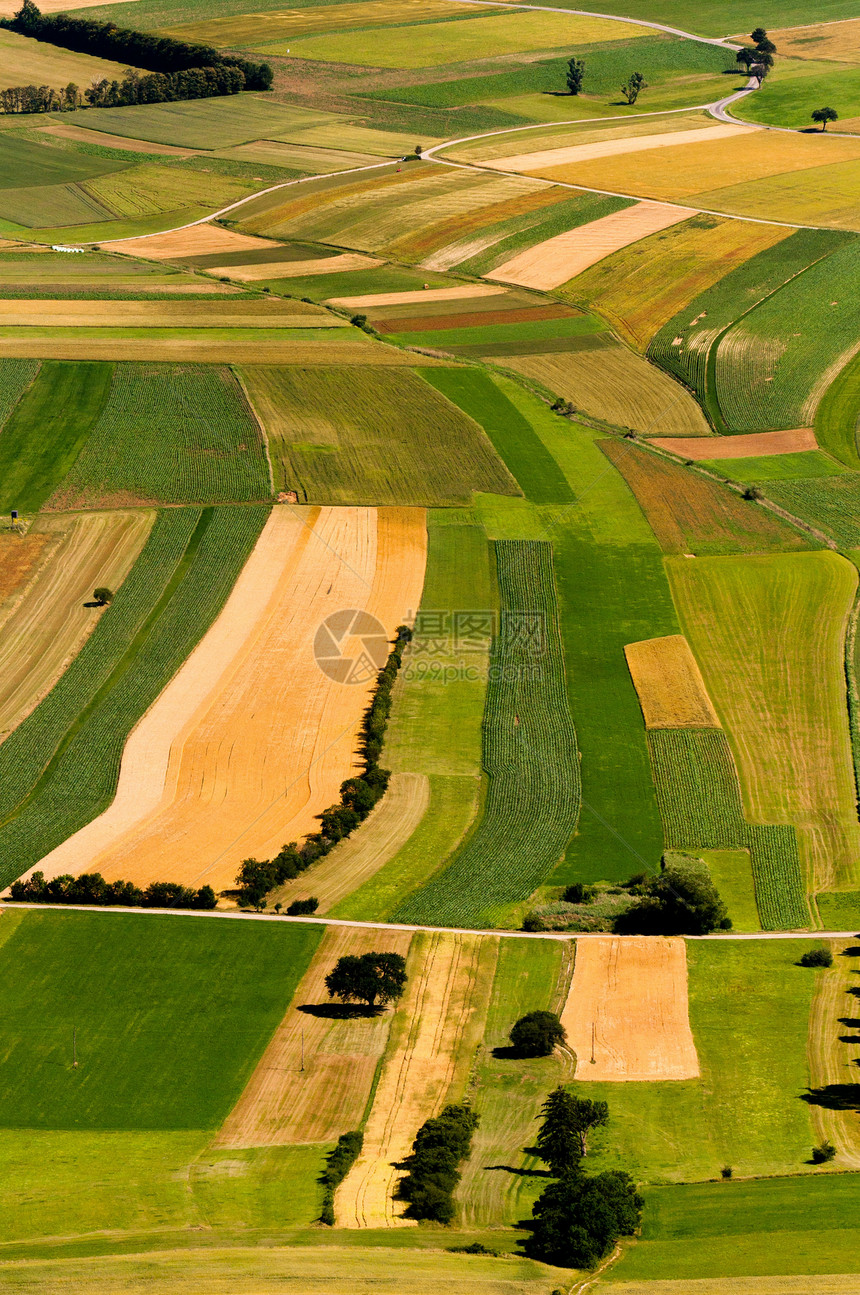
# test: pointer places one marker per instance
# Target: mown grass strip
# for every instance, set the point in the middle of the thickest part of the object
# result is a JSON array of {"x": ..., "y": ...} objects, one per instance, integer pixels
[
  {"x": 837, "y": 419},
  {"x": 700, "y": 803},
  {"x": 529, "y": 755},
  {"x": 62, "y": 769}
]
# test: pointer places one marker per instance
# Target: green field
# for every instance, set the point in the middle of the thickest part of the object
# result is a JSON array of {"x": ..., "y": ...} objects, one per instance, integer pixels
[
  {"x": 778, "y": 467},
  {"x": 168, "y": 434},
  {"x": 48, "y": 427},
  {"x": 528, "y": 752},
  {"x": 486, "y": 335},
  {"x": 370, "y": 436},
  {"x": 201, "y": 123},
  {"x": 832, "y": 504},
  {"x": 837, "y": 418},
  {"x": 798, "y": 87},
  {"x": 58, "y": 770},
  {"x": 138, "y": 1068},
  {"x": 518, "y": 232}
]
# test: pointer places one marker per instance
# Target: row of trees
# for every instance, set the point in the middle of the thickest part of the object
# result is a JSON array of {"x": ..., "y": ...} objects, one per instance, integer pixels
[
  {"x": 91, "y": 888},
  {"x": 151, "y": 87},
  {"x": 433, "y": 1168},
  {"x": 357, "y": 796}
]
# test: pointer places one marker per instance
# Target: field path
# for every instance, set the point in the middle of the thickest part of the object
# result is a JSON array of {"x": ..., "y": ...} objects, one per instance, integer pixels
[
  {"x": 432, "y": 1046},
  {"x": 51, "y": 620},
  {"x": 251, "y": 740},
  {"x": 283, "y": 1103},
  {"x": 628, "y": 1008}
]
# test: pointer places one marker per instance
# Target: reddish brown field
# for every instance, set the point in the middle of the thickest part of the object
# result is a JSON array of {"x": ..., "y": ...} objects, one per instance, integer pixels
[
  {"x": 690, "y": 514},
  {"x": 754, "y": 445},
  {"x": 19, "y": 557}
]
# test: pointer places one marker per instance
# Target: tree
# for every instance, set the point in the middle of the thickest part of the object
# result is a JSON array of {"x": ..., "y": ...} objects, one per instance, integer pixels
[
  {"x": 562, "y": 1138},
  {"x": 757, "y": 35},
  {"x": 746, "y": 57},
  {"x": 103, "y": 595},
  {"x": 537, "y": 1033},
  {"x": 816, "y": 958},
  {"x": 824, "y": 115},
  {"x": 255, "y": 879},
  {"x": 680, "y": 900},
  {"x": 575, "y": 73},
  {"x": 578, "y": 1220},
  {"x": 633, "y": 86},
  {"x": 369, "y": 978}
]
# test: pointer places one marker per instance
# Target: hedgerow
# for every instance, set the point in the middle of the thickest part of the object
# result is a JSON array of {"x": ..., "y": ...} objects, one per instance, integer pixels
[
  {"x": 700, "y": 804},
  {"x": 433, "y": 1168},
  {"x": 91, "y": 888},
  {"x": 59, "y": 769},
  {"x": 529, "y": 755},
  {"x": 338, "y": 1163}
]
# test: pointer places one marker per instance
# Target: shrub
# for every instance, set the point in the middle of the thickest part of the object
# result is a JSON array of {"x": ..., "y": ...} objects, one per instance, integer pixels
[
  {"x": 579, "y": 893},
  {"x": 474, "y": 1248},
  {"x": 533, "y": 922},
  {"x": 103, "y": 595},
  {"x": 816, "y": 958},
  {"x": 537, "y": 1033},
  {"x": 726, "y": 1171},
  {"x": 338, "y": 1163},
  {"x": 301, "y": 907},
  {"x": 578, "y": 1219},
  {"x": 823, "y": 1153},
  {"x": 680, "y": 900}
]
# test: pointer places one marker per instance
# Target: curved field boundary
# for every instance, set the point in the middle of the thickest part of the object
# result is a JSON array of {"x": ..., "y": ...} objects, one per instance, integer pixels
[
  {"x": 755, "y": 445},
  {"x": 439, "y": 1023},
  {"x": 55, "y": 615},
  {"x": 548, "y": 265},
  {"x": 370, "y": 847},
  {"x": 270, "y": 737},
  {"x": 59, "y": 769},
  {"x": 837, "y": 419},
  {"x": 627, "y": 1013},
  {"x": 568, "y": 154},
  {"x": 669, "y": 684},
  {"x": 314, "y": 1079}
]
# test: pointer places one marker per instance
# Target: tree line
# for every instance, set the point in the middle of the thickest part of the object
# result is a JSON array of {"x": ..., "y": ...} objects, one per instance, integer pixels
[
  {"x": 358, "y": 796},
  {"x": 174, "y": 69},
  {"x": 433, "y": 1168},
  {"x": 91, "y": 888}
]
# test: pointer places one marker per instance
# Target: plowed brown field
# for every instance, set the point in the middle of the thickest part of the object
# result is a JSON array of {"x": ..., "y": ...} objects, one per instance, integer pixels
[
  {"x": 251, "y": 740},
  {"x": 284, "y": 1103},
  {"x": 627, "y": 1007},
  {"x": 49, "y": 622},
  {"x": 428, "y": 1061},
  {"x": 754, "y": 445},
  {"x": 669, "y": 684},
  {"x": 198, "y": 240}
]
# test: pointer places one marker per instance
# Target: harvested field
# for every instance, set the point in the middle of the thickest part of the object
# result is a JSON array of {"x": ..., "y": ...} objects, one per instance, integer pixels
[
  {"x": 627, "y": 1008},
  {"x": 287, "y": 24},
  {"x": 373, "y": 300},
  {"x": 270, "y": 312},
  {"x": 755, "y": 445},
  {"x": 54, "y": 615},
  {"x": 24, "y": 60},
  {"x": 297, "y": 269},
  {"x": 379, "y": 838},
  {"x": 81, "y": 135},
  {"x": 807, "y": 1285},
  {"x": 208, "y": 777},
  {"x": 669, "y": 684},
  {"x": 441, "y": 244},
  {"x": 20, "y": 556},
  {"x": 617, "y": 386},
  {"x": 837, "y": 41},
  {"x": 768, "y": 633},
  {"x": 546, "y": 159},
  {"x": 283, "y": 1103},
  {"x": 371, "y": 436},
  {"x": 184, "y": 346},
  {"x": 549, "y": 264},
  {"x": 689, "y": 513},
  {"x": 832, "y": 1065},
  {"x": 439, "y": 1023},
  {"x": 197, "y": 240}
]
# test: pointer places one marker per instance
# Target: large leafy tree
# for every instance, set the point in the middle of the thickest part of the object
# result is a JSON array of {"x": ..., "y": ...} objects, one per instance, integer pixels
[
  {"x": 371, "y": 978},
  {"x": 578, "y": 1219},
  {"x": 562, "y": 1140}
]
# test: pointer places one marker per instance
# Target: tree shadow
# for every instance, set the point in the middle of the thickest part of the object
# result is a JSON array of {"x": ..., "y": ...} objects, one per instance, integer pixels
[
  {"x": 853, "y": 952},
  {"x": 834, "y": 1097},
  {"x": 849, "y": 1038},
  {"x": 855, "y": 990},
  {"x": 853, "y": 1022},
  {"x": 519, "y": 1173},
  {"x": 339, "y": 1011}
]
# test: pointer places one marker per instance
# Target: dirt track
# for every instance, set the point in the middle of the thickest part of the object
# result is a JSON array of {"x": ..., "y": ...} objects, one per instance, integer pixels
[{"x": 627, "y": 1007}]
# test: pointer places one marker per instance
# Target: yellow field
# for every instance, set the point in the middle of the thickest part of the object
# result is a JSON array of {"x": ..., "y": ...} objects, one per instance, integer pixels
[
  {"x": 45, "y": 627},
  {"x": 377, "y": 299},
  {"x": 584, "y": 132},
  {"x": 754, "y": 445},
  {"x": 432, "y": 1047},
  {"x": 617, "y": 386},
  {"x": 807, "y": 1285},
  {"x": 20, "y": 555},
  {"x": 669, "y": 684},
  {"x": 283, "y": 1103},
  {"x": 202, "y": 349},
  {"x": 768, "y": 633},
  {"x": 831, "y": 1059},
  {"x": 642, "y": 287},
  {"x": 270, "y": 312},
  {"x": 626, "y": 1015},
  {"x": 297, "y": 269},
  {"x": 455, "y": 42},
  {"x": 388, "y": 827},
  {"x": 555, "y": 261},
  {"x": 213, "y": 774},
  {"x": 568, "y": 154},
  {"x": 821, "y": 195},
  {"x": 198, "y": 240},
  {"x": 24, "y": 61},
  {"x": 839, "y": 41}
]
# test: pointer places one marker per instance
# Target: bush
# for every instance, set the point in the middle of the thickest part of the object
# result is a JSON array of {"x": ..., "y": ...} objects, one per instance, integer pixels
[
  {"x": 475, "y": 1248},
  {"x": 103, "y": 595},
  {"x": 726, "y": 1171},
  {"x": 680, "y": 900},
  {"x": 440, "y": 1145},
  {"x": 579, "y": 1219},
  {"x": 816, "y": 958},
  {"x": 823, "y": 1153},
  {"x": 533, "y": 922},
  {"x": 579, "y": 893},
  {"x": 537, "y": 1033},
  {"x": 91, "y": 888},
  {"x": 338, "y": 1162},
  {"x": 301, "y": 907}
]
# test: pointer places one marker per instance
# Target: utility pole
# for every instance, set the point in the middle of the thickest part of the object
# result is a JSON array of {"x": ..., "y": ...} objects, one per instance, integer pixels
[
  {"x": 593, "y": 1028},
  {"x": 74, "y": 1047},
  {"x": 303, "y": 1048}
]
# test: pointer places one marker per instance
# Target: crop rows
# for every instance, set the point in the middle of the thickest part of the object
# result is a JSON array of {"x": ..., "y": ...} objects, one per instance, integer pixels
[
  {"x": 700, "y": 804},
  {"x": 15, "y": 378},
  {"x": 170, "y": 434},
  {"x": 529, "y": 755},
  {"x": 830, "y": 503},
  {"x": 59, "y": 769}
]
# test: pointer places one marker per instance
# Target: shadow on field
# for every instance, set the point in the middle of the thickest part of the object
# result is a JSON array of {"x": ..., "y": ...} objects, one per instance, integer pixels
[
  {"x": 853, "y": 952},
  {"x": 853, "y": 1022},
  {"x": 519, "y": 1173},
  {"x": 834, "y": 1097},
  {"x": 340, "y": 1011}
]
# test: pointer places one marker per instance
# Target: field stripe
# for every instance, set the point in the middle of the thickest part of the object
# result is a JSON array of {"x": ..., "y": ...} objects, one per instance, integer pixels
[
  {"x": 374, "y": 299},
  {"x": 551, "y": 263},
  {"x": 551, "y": 157},
  {"x": 831, "y": 1063},
  {"x": 628, "y": 1008},
  {"x": 283, "y": 1103},
  {"x": 669, "y": 684},
  {"x": 441, "y": 1019},
  {"x": 754, "y": 445}
]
